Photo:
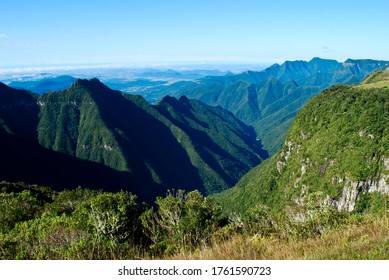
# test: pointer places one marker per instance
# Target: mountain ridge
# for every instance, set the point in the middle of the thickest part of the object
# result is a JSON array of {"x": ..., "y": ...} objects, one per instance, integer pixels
[
  {"x": 91, "y": 122},
  {"x": 242, "y": 93}
]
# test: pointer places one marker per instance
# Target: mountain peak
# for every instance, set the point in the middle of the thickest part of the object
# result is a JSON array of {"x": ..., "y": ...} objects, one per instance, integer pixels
[
  {"x": 322, "y": 60},
  {"x": 93, "y": 86},
  {"x": 86, "y": 82},
  {"x": 180, "y": 105},
  {"x": 168, "y": 100},
  {"x": 316, "y": 58},
  {"x": 184, "y": 100}
]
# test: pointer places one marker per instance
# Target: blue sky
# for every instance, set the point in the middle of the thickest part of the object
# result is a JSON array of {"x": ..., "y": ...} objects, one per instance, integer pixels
[{"x": 82, "y": 32}]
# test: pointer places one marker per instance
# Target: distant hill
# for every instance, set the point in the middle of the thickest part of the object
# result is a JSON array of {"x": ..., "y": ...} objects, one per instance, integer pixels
[
  {"x": 336, "y": 153},
  {"x": 270, "y": 99},
  {"x": 45, "y": 85},
  {"x": 175, "y": 144},
  {"x": 127, "y": 80}
]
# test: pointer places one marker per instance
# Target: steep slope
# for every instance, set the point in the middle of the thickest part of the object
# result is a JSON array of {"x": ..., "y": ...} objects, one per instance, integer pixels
[
  {"x": 270, "y": 99},
  {"x": 152, "y": 145},
  {"x": 18, "y": 112},
  {"x": 23, "y": 159},
  {"x": 336, "y": 154},
  {"x": 220, "y": 146},
  {"x": 29, "y": 162}
]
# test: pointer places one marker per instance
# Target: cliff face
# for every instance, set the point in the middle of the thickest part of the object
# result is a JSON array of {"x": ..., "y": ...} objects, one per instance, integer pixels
[
  {"x": 336, "y": 154},
  {"x": 347, "y": 188},
  {"x": 338, "y": 148}
]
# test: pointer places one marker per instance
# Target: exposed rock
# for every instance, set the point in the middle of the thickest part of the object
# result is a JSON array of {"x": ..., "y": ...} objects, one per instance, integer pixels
[
  {"x": 347, "y": 201},
  {"x": 280, "y": 166},
  {"x": 303, "y": 169},
  {"x": 352, "y": 190}
]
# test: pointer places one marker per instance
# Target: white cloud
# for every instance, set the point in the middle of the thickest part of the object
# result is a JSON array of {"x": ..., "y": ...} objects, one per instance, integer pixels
[{"x": 2, "y": 36}]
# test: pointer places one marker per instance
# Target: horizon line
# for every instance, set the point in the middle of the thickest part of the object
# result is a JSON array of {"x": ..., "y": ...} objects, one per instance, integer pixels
[{"x": 155, "y": 65}]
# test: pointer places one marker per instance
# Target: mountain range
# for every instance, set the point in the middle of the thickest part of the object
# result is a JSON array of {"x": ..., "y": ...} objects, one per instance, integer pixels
[
  {"x": 202, "y": 134},
  {"x": 269, "y": 100},
  {"x": 90, "y": 134}
]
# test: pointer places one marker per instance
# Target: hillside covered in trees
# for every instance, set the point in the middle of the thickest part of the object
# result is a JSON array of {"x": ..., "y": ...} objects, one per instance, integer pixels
[{"x": 93, "y": 136}]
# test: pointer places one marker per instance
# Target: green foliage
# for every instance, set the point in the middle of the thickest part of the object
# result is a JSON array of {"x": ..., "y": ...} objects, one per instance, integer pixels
[
  {"x": 269, "y": 100},
  {"x": 84, "y": 224},
  {"x": 348, "y": 144},
  {"x": 46, "y": 238},
  {"x": 259, "y": 220},
  {"x": 204, "y": 147},
  {"x": 183, "y": 221},
  {"x": 259, "y": 185},
  {"x": 17, "y": 207},
  {"x": 67, "y": 201},
  {"x": 317, "y": 218},
  {"x": 111, "y": 215},
  {"x": 76, "y": 224},
  {"x": 285, "y": 199},
  {"x": 323, "y": 154},
  {"x": 373, "y": 203},
  {"x": 19, "y": 202},
  {"x": 70, "y": 122},
  {"x": 220, "y": 146}
]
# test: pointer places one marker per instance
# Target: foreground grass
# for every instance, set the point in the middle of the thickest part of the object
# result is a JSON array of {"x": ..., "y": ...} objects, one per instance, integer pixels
[{"x": 366, "y": 238}]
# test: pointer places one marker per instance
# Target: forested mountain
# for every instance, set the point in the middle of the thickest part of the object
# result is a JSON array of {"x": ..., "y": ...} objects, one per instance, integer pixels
[
  {"x": 269, "y": 100},
  {"x": 175, "y": 144},
  {"x": 335, "y": 154}
]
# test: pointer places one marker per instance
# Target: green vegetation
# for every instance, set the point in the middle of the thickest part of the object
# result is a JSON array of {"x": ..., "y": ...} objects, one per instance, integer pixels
[
  {"x": 71, "y": 122},
  {"x": 298, "y": 204},
  {"x": 72, "y": 224},
  {"x": 39, "y": 223},
  {"x": 182, "y": 223},
  {"x": 269, "y": 100},
  {"x": 176, "y": 143},
  {"x": 337, "y": 145},
  {"x": 378, "y": 79},
  {"x": 322, "y": 196},
  {"x": 220, "y": 146}
]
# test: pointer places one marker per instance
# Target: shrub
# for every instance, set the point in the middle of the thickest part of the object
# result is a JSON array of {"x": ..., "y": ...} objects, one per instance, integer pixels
[
  {"x": 17, "y": 207},
  {"x": 183, "y": 221}
]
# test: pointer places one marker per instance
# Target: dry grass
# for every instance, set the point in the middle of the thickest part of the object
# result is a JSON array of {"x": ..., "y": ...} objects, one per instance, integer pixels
[
  {"x": 368, "y": 239},
  {"x": 376, "y": 80}
]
